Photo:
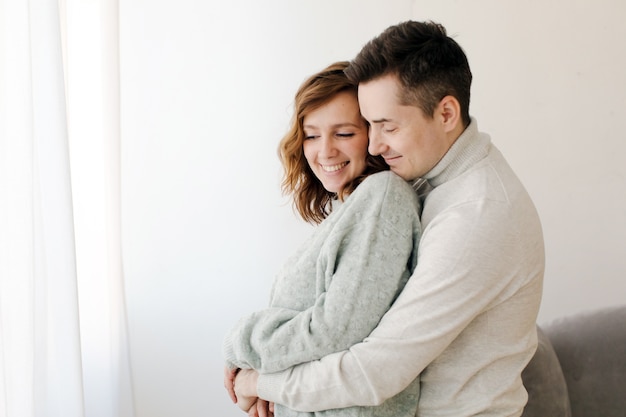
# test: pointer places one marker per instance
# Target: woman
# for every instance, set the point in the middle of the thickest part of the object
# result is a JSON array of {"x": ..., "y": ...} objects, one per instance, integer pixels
[{"x": 333, "y": 291}]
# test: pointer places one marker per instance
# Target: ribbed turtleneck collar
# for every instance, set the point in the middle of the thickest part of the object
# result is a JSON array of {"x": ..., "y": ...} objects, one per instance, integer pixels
[{"x": 467, "y": 150}]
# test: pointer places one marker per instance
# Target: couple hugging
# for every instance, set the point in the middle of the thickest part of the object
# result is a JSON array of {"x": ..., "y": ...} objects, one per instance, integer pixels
[{"x": 417, "y": 293}]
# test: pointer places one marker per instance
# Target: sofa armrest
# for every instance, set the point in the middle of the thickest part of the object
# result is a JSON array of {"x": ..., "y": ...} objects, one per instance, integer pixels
[
  {"x": 545, "y": 383},
  {"x": 591, "y": 348}
]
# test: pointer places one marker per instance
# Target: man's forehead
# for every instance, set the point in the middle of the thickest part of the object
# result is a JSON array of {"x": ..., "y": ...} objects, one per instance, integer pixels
[
  {"x": 386, "y": 82},
  {"x": 382, "y": 90},
  {"x": 378, "y": 101}
]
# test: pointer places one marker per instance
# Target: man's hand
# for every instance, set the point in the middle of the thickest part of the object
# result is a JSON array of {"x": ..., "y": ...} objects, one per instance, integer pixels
[
  {"x": 245, "y": 383},
  {"x": 261, "y": 408},
  {"x": 241, "y": 387},
  {"x": 248, "y": 404},
  {"x": 247, "y": 396}
]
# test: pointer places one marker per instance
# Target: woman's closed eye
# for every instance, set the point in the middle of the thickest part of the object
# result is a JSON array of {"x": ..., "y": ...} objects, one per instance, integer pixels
[{"x": 345, "y": 134}]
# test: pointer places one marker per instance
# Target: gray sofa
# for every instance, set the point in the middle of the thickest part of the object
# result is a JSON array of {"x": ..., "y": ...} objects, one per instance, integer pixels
[{"x": 579, "y": 369}]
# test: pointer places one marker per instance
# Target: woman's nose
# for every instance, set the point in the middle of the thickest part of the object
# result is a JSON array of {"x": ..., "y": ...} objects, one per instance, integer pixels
[{"x": 327, "y": 147}]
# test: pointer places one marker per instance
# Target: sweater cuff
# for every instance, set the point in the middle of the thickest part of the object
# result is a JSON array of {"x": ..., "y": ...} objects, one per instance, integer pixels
[
  {"x": 269, "y": 386},
  {"x": 228, "y": 352}
]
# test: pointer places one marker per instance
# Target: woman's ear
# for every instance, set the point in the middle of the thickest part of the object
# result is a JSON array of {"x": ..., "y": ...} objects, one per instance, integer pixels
[{"x": 450, "y": 111}]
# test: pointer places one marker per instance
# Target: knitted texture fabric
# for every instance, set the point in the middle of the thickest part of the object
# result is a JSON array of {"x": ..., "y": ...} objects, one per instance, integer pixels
[{"x": 334, "y": 290}]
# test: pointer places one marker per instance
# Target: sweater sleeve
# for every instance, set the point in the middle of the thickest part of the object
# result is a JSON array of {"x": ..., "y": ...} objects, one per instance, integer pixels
[{"x": 374, "y": 259}]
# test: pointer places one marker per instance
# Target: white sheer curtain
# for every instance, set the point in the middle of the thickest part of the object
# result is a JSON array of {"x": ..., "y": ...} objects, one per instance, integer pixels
[{"x": 63, "y": 341}]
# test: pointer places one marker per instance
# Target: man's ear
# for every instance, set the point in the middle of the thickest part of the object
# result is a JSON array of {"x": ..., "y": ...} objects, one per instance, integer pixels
[{"x": 449, "y": 110}]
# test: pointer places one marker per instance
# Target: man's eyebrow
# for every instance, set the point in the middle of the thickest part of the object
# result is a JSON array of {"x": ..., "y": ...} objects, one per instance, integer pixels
[{"x": 383, "y": 120}]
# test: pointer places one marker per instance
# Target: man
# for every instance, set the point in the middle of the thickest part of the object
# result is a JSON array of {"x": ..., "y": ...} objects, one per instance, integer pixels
[{"x": 465, "y": 322}]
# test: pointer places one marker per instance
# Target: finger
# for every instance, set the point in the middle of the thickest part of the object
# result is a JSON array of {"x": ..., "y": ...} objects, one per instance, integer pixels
[
  {"x": 231, "y": 392},
  {"x": 230, "y": 373},
  {"x": 229, "y": 383},
  {"x": 232, "y": 395},
  {"x": 253, "y": 412},
  {"x": 271, "y": 407},
  {"x": 262, "y": 407}
]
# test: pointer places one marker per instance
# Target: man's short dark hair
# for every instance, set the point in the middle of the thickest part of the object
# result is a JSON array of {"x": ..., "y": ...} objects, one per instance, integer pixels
[{"x": 428, "y": 63}]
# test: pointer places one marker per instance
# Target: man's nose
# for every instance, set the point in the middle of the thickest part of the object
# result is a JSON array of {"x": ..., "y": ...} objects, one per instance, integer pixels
[{"x": 375, "y": 146}]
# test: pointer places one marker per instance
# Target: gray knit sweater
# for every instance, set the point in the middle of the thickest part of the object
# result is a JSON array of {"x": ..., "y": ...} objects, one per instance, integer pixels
[
  {"x": 333, "y": 291},
  {"x": 465, "y": 321}
]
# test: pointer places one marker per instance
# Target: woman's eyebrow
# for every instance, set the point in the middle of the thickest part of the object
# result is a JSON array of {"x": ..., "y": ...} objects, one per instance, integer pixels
[{"x": 383, "y": 120}]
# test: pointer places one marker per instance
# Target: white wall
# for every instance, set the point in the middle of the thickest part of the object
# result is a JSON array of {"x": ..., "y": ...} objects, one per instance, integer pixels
[{"x": 206, "y": 95}]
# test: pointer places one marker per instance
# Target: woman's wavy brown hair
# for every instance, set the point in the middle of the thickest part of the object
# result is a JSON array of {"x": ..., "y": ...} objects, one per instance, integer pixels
[{"x": 310, "y": 198}]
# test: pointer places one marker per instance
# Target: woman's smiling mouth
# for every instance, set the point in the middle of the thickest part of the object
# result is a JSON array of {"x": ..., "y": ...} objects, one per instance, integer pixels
[{"x": 333, "y": 168}]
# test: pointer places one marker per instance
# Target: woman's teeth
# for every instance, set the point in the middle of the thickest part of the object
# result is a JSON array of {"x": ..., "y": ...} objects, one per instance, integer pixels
[{"x": 333, "y": 168}]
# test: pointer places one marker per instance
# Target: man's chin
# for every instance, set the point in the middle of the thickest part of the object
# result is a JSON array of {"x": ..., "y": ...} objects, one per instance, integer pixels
[{"x": 401, "y": 174}]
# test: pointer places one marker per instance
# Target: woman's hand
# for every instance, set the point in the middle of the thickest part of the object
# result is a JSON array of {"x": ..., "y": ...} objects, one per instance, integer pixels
[{"x": 229, "y": 382}]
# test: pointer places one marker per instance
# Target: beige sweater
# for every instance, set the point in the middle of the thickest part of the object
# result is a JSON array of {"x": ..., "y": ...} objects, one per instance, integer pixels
[{"x": 465, "y": 321}]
